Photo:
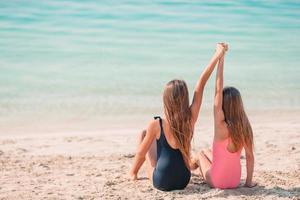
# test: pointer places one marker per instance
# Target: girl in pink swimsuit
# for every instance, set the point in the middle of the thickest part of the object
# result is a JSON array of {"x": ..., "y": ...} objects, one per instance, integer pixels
[{"x": 221, "y": 168}]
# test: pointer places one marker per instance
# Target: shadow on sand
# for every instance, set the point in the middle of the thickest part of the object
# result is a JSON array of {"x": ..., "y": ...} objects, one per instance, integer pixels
[{"x": 198, "y": 186}]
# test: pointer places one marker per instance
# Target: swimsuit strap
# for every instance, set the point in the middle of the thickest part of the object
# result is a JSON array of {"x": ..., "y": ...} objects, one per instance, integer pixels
[
  {"x": 161, "y": 128},
  {"x": 160, "y": 121}
]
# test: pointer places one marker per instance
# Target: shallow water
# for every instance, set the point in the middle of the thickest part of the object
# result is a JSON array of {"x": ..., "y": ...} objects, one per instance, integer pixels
[{"x": 94, "y": 59}]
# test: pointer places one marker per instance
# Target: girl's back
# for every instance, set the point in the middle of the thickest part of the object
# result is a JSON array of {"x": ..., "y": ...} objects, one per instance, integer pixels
[
  {"x": 226, "y": 167},
  {"x": 170, "y": 172}
]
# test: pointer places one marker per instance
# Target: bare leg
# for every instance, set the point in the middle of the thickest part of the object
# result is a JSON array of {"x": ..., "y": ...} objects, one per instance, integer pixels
[
  {"x": 204, "y": 166},
  {"x": 151, "y": 157},
  {"x": 208, "y": 154}
]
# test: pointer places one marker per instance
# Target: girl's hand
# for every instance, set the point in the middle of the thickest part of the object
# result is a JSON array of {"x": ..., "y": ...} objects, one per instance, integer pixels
[
  {"x": 225, "y": 45},
  {"x": 132, "y": 176},
  {"x": 250, "y": 185},
  {"x": 220, "y": 49}
]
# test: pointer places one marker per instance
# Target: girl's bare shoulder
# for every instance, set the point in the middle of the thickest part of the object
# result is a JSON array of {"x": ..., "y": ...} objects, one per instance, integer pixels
[{"x": 154, "y": 127}]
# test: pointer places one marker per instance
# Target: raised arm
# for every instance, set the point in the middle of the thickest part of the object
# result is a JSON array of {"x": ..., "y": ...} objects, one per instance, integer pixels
[
  {"x": 198, "y": 93},
  {"x": 218, "y": 111}
]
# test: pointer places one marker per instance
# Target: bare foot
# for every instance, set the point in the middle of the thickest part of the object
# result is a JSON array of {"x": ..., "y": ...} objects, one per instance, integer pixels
[{"x": 250, "y": 185}]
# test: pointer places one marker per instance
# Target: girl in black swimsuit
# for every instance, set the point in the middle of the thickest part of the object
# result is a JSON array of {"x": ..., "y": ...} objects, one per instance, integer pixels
[
  {"x": 166, "y": 144},
  {"x": 170, "y": 172}
]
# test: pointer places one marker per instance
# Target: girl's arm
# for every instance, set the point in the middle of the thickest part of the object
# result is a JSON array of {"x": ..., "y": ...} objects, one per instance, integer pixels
[
  {"x": 198, "y": 94},
  {"x": 218, "y": 111},
  {"x": 219, "y": 118},
  {"x": 143, "y": 149},
  {"x": 250, "y": 166}
]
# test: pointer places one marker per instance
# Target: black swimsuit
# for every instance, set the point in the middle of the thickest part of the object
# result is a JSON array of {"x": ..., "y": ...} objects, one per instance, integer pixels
[{"x": 170, "y": 172}]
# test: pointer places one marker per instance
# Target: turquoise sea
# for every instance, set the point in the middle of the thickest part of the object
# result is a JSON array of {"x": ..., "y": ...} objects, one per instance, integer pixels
[{"x": 71, "y": 60}]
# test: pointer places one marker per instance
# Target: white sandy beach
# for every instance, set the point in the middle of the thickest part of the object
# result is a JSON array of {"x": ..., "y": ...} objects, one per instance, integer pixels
[
  {"x": 94, "y": 165},
  {"x": 79, "y": 80}
]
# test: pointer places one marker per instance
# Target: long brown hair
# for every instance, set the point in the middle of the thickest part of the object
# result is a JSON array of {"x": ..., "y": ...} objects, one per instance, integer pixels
[
  {"x": 178, "y": 115},
  {"x": 240, "y": 130}
]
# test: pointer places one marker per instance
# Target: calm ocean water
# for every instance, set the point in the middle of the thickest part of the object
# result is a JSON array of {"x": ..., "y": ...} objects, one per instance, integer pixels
[{"x": 79, "y": 60}]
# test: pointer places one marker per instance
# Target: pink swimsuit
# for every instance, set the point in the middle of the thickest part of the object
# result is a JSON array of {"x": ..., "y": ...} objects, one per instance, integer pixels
[{"x": 225, "y": 171}]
